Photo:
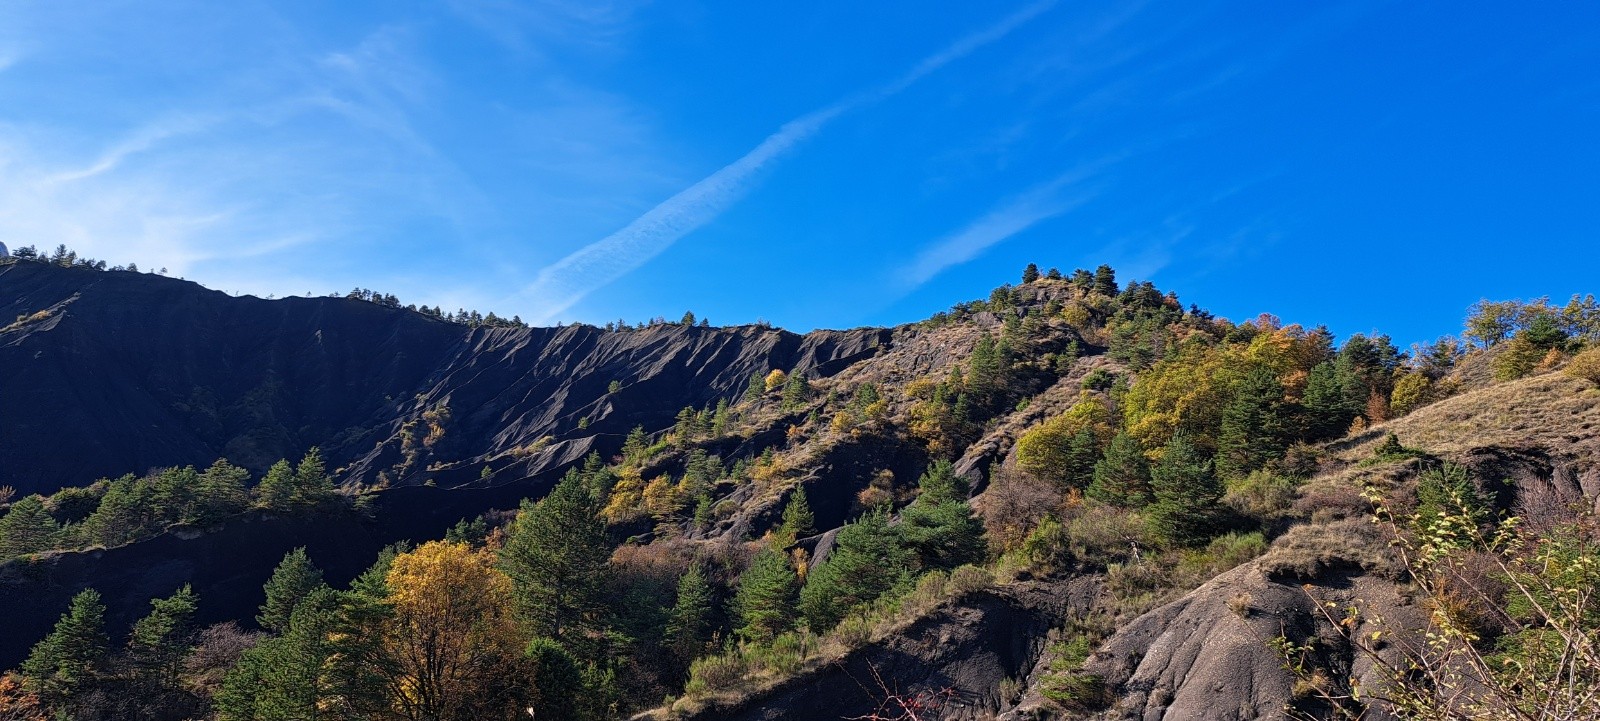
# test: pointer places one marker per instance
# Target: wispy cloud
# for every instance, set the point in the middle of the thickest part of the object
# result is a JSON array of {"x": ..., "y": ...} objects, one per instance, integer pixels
[
  {"x": 560, "y": 285},
  {"x": 564, "y": 283},
  {"x": 1011, "y": 217},
  {"x": 530, "y": 26}
]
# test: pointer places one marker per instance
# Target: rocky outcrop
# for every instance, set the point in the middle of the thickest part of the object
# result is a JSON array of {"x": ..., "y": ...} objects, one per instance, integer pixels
[
  {"x": 1207, "y": 657},
  {"x": 120, "y": 372},
  {"x": 966, "y": 651}
]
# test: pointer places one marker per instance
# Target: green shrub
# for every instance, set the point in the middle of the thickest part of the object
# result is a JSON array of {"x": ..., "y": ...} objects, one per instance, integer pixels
[
  {"x": 1262, "y": 494},
  {"x": 717, "y": 673},
  {"x": 1105, "y": 534},
  {"x": 1065, "y": 682},
  {"x": 970, "y": 579}
]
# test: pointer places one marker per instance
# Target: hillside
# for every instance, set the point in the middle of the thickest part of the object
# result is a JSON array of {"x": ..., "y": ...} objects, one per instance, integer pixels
[{"x": 1075, "y": 498}]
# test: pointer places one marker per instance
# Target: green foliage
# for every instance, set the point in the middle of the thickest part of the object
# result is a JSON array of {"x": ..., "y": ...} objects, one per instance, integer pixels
[
  {"x": 1262, "y": 494},
  {"x": 796, "y": 391},
  {"x": 1030, "y": 273},
  {"x": 798, "y": 520},
  {"x": 1447, "y": 490},
  {"x": 286, "y": 677},
  {"x": 1122, "y": 476},
  {"x": 1517, "y": 358},
  {"x": 1065, "y": 683},
  {"x": 868, "y": 559},
  {"x": 1105, "y": 281},
  {"x": 944, "y": 534},
  {"x": 764, "y": 601},
  {"x": 66, "y": 660},
  {"x": 690, "y": 623},
  {"x": 1187, "y": 495},
  {"x": 473, "y": 533},
  {"x": 160, "y": 641},
  {"x": 26, "y": 528},
  {"x": 292, "y": 581},
  {"x": 287, "y": 489},
  {"x": 1327, "y": 410},
  {"x": 1255, "y": 424},
  {"x": 555, "y": 554},
  {"x": 1060, "y": 450},
  {"x": 940, "y": 483},
  {"x": 557, "y": 680}
]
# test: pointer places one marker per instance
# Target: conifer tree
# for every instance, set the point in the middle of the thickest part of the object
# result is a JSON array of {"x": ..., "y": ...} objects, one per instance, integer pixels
[
  {"x": 276, "y": 490},
  {"x": 1083, "y": 451},
  {"x": 220, "y": 492},
  {"x": 557, "y": 681},
  {"x": 943, "y": 532},
  {"x": 939, "y": 483},
  {"x": 1105, "y": 281},
  {"x": 688, "y": 630},
  {"x": 65, "y": 662},
  {"x": 868, "y": 559},
  {"x": 1122, "y": 476},
  {"x": 556, "y": 554},
  {"x": 1187, "y": 494},
  {"x": 26, "y": 528},
  {"x": 293, "y": 580},
  {"x": 287, "y": 676},
  {"x": 796, "y": 390},
  {"x": 721, "y": 418},
  {"x": 797, "y": 518},
  {"x": 160, "y": 641},
  {"x": 1254, "y": 425},
  {"x": 765, "y": 599},
  {"x": 1030, "y": 273},
  {"x": 1328, "y": 413},
  {"x": 312, "y": 485}
]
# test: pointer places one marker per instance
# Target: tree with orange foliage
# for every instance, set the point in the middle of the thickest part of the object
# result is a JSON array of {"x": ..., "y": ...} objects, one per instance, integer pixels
[
  {"x": 451, "y": 636},
  {"x": 18, "y": 703}
]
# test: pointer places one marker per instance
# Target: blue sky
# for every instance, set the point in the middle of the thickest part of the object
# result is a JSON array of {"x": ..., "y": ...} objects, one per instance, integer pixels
[{"x": 1369, "y": 165}]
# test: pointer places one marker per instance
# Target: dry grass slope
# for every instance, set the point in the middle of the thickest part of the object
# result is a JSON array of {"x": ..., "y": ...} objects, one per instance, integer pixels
[{"x": 1549, "y": 410}]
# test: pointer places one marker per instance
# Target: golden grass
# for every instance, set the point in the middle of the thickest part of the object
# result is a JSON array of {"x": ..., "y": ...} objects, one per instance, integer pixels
[{"x": 1551, "y": 410}]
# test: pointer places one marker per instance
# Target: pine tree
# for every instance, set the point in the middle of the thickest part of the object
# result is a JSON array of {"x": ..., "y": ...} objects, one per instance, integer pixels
[
  {"x": 1030, "y": 273},
  {"x": 312, "y": 485},
  {"x": 26, "y": 528},
  {"x": 1105, "y": 281},
  {"x": 276, "y": 491},
  {"x": 557, "y": 681},
  {"x": 288, "y": 676},
  {"x": 65, "y": 662},
  {"x": 160, "y": 641},
  {"x": 721, "y": 419},
  {"x": 1122, "y": 476},
  {"x": 795, "y": 391},
  {"x": 1083, "y": 451},
  {"x": 765, "y": 599},
  {"x": 797, "y": 518},
  {"x": 1187, "y": 494},
  {"x": 1327, "y": 411},
  {"x": 868, "y": 559},
  {"x": 293, "y": 580},
  {"x": 556, "y": 554},
  {"x": 688, "y": 630},
  {"x": 939, "y": 483},
  {"x": 1254, "y": 425},
  {"x": 220, "y": 492},
  {"x": 943, "y": 533}
]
